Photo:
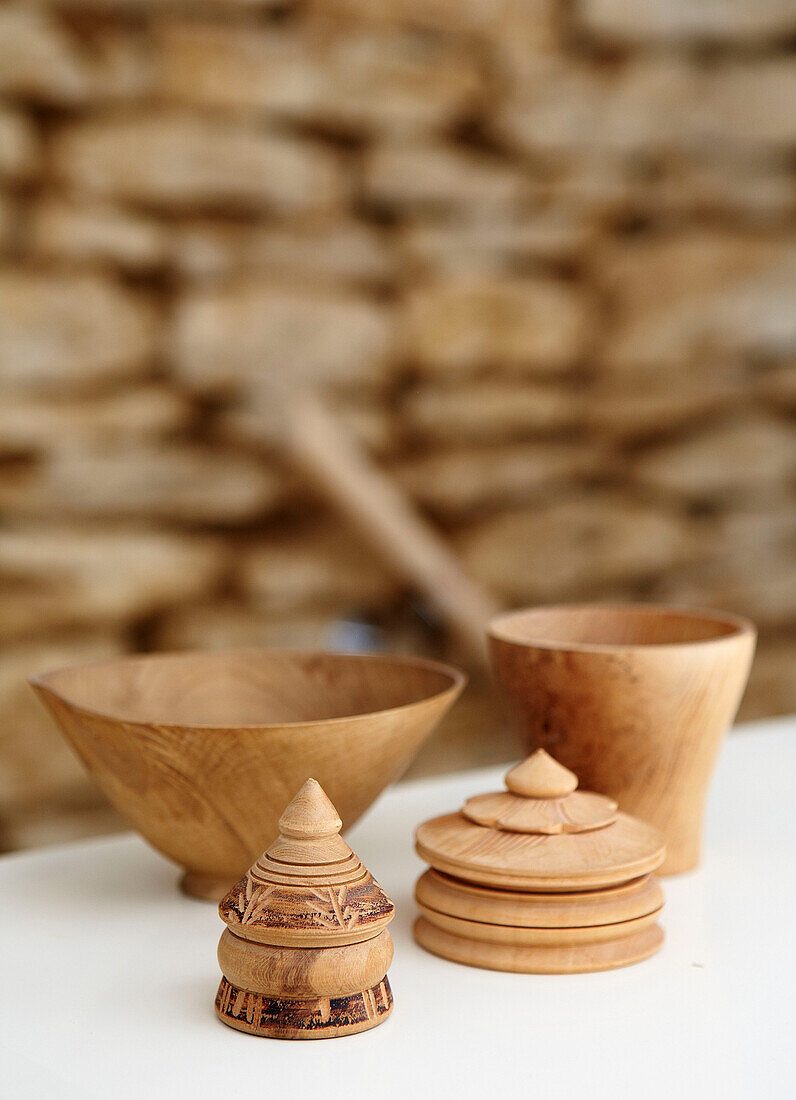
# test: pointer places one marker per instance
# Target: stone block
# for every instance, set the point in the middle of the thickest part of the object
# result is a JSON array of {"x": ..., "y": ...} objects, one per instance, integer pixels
[
  {"x": 748, "y": 108},
  {"x": 88, "y": 233},
  {"x": 750, "y": 456},
  {"x": 564, "y": 108},
  {"x": 437, "y": 179},
  {"x": 56, "y": 576},
  {"x": 188, "y": 483},
  {"x": 749, "y": 565},
  {"x": 683, "y": 23},
  {"x": 123, "y": 70},
  {"x": 577, "y": 547},
  {"x": 179, "y": 161},
  {"x": 398, "y": 82},
  {"x": 322, "y": 568},
  {"x": 359, "y": 81},
  {"x": 489, "y": 411},
  {"x": 634, "y": 407},
  {"x": 245, "y": 334},
  {"x": 699, "y": 298},
  {"x": 255, "y": 420},
  {"x": 597, "y": 186},
  {"x": 650, "y": 106},
  {"x": 332, "y": 251},
  {"x": 39, "y": 59},
  {"x": 437, "y": 248},
  {"x": 19, "y": 145},
  {"x": 462, "y": 326},
  {"x": 484, "y": 18},
  {"x": 767, "y": 598},
  {"x": 65, "y": 331},
  {"x": 142, "y": 414},
  {"x": 456, "y": 482},
  {"x": 760, "y": 193}
]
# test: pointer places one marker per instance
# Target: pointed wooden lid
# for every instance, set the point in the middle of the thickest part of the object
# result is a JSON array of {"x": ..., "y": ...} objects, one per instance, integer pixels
[
  {"x": 541, "y": 834},
  {"x": 308, "y": 889}
]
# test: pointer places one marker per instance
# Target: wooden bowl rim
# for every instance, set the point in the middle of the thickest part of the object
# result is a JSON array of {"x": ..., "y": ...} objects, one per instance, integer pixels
[
  {"x": 499, "y": 628},
  {"x": 458, "y": 681}
]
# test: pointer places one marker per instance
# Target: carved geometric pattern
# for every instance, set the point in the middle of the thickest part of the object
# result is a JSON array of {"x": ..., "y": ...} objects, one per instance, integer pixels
[
  {"x": 262, "y": 1015},
  {"x": 333, "y": 912},
  {"x": 331, "y": 908},
  {"x": 252, "y": 900}
]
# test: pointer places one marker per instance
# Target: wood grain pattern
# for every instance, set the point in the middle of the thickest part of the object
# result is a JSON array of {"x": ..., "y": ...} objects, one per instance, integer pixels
[
  {"x": 634, "y": 699},
  {"x": 535, "y": 937},
  {"x": 576, "y": 813},
  {"x": 524, "y": 910},
  {"x": 201, "y": 751},
  {"x": 625, "y": 849},
  {"x": 541, "y": 796},
  {"x": 301, "y": 972}
]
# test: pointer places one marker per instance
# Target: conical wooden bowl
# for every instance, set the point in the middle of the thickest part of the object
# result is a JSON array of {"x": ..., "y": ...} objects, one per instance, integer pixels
[{"x": 201, "y": 751}]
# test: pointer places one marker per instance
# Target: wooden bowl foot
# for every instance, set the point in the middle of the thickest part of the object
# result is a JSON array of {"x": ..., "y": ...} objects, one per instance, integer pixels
[
  {"x": 204, "y": 887},
  {"x": 317, "y": 1018}
]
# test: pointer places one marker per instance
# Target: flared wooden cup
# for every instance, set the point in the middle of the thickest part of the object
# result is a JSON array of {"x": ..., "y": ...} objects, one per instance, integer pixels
[
  {"x": 634, "y": 699},
  {"x": 202, "y": 751}
]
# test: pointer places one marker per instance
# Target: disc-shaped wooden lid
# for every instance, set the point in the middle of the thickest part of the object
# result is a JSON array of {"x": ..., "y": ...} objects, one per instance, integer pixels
[
  {"x": 541, "y": 797},
  {"x": 308, "y": 889},
  {"x": 541, "y": 834}
]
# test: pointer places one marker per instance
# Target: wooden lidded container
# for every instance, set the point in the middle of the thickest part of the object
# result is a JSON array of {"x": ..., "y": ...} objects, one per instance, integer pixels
[
  {"x": 540, "y": 878},
  {"x": 306, "y": 950}
]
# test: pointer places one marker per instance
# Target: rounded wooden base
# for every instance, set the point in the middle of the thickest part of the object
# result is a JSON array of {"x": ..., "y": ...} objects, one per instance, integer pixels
[
  {"x": 577, "y": 910},
  {"x": 552, "y": 959},
  {"x": 536, "y": 937},
  {"x": 204, "y": 887},
  {"x": 317, "y": 1018}
]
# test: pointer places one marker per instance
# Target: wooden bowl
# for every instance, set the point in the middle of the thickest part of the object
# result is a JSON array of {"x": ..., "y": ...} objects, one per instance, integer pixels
[
  {"x": 202, "y": 751},
  {"x": 634, "y": 699}
]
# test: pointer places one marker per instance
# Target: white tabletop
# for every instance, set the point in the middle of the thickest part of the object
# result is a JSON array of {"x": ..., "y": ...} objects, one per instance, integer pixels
[{"x": 109, "y": 975}]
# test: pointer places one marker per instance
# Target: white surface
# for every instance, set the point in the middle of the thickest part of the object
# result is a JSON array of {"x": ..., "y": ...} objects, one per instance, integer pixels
[{"x": 109, "y": 976}]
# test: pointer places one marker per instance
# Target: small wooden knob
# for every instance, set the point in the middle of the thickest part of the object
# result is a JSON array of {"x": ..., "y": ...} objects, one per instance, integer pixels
[
  {"x": 310, "y": 815},
  {"x": 540, "y": 776}
]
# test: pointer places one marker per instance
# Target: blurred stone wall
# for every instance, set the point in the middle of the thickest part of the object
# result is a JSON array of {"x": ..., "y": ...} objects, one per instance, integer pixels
[{"x": 538, "y": 254}]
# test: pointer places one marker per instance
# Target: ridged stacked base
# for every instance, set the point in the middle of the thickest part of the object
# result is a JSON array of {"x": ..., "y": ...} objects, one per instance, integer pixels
[
  {"x": 554, "y": 959},
  {"x": 532, "y": 933},
  {"x": 316, "y": 1018}
]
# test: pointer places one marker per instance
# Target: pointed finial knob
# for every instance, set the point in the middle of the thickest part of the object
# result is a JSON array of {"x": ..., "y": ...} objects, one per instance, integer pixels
[
  {"x": 310, "y": 814},
  {"x": 540, "y": 776}
]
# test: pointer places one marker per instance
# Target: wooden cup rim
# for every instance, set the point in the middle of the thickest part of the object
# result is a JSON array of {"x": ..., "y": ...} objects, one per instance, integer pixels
[{"x": 515, "y": 627}]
